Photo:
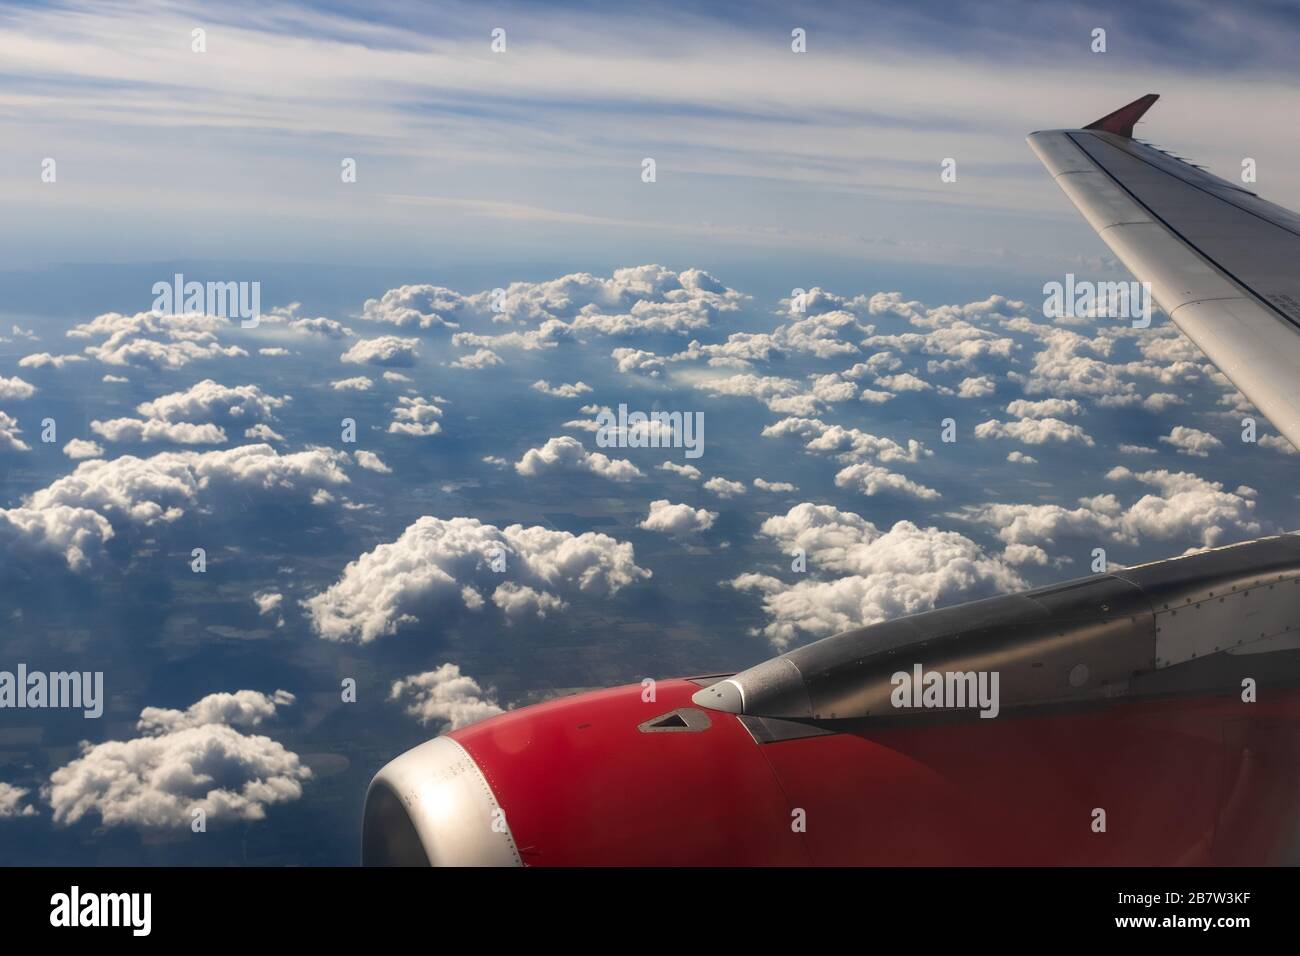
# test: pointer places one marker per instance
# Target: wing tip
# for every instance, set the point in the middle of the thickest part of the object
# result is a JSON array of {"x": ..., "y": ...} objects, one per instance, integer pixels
[{"x": 1122, "y": 121}]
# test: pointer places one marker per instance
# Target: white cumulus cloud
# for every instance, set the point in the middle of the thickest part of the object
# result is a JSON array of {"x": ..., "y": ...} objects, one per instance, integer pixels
[
  {"x": 568, "y": 454},
  {"x": 372, "y": 462},
  {"x": 72, "y": 515},
  {"x": 725, "y": 487},
  {"x": 12, "y": 802},
  {"x": 148, "y": 430},
  {"x": 905, "y": 570},
  {"x": 415, "y": 415},
  {"x": 1191, "y": 441},
  {"x": 678, "y": 520},
  {"x": 1034, "y": 431},
  {"x": 444, "y": 696},
  {"x": 438, "y": 564},
  {"x": 183, "y": 761},
  {"x": 79, "y": 448},
  {"x": 562, "y": 390},
  {"x": 13, "y": 389},
  {"x": 387, "y": 350},
  {"x": 9, "y": 432},
  {"x": 358, "y": 383},
  {"x": 48, "y": 360},
  {"x": 415, "y": 306}
]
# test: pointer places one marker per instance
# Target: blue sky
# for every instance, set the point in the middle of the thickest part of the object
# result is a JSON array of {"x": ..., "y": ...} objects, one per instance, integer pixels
[
  {"x": 332, "y": 560},
  {"x": 831, "y": 154}
]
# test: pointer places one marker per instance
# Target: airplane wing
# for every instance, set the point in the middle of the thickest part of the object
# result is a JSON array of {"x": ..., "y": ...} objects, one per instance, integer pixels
[{"x": 1223, "y": 264}]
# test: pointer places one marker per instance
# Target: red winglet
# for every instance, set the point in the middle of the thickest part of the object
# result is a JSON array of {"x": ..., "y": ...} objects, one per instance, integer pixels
[{"x": 1122, "y": 120}]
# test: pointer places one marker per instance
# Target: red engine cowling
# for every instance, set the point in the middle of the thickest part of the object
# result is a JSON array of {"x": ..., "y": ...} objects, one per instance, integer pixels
[{"x": 606, "y": 778}]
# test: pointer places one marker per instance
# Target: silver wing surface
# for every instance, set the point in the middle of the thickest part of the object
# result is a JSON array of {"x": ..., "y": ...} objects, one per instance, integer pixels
[{"x": 1223, "y": 264}]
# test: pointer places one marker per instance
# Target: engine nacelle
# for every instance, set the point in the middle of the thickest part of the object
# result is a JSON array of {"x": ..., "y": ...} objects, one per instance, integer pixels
[
  {"x": 597, "y": 778},
  {"x": 1122, "y": 736}
]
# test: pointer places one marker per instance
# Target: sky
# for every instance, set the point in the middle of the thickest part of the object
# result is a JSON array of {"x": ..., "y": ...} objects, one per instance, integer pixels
[
  {"x": 498, "y": 274},
  {"x": 465, "y": 155}
]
